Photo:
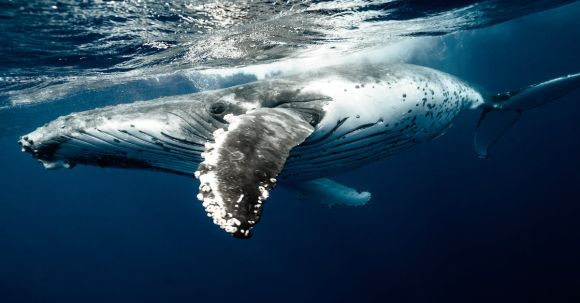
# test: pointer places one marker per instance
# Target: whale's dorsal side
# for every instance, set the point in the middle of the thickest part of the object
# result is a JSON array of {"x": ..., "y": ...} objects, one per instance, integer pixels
[{"x": 240, "y": 168}]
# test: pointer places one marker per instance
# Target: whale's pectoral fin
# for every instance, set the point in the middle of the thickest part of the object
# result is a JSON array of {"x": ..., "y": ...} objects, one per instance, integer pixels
[
  {"x": 329, "y": 192},
  {"x": 240, "y": 168}
]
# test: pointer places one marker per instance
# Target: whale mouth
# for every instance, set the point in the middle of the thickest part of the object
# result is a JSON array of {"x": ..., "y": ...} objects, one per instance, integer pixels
[
  {"x": 165, "y": 140},
  {"x": 44, "y": 152},
  {"x": 65, "y": 153}
]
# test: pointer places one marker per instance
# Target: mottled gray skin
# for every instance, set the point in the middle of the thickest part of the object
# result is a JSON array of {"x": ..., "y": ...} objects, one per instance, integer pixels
[
  {"x": 119, "y": 136},
  {"x": 241, "y": 168}
]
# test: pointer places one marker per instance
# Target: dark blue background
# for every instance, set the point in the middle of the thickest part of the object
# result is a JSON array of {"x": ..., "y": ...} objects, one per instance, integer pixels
[{"x": 443, "y": 226}]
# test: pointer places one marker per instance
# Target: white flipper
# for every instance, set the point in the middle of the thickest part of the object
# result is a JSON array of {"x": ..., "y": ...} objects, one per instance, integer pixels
[{"x": 329, "y": 192}]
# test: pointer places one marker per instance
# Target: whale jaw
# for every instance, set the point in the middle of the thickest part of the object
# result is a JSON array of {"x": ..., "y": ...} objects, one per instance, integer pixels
[
  {"x": 44, "y": 152},
  {"x": 121, "y": 137}
]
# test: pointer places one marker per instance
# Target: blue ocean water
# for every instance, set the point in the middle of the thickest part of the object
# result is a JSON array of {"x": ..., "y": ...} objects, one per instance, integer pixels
[{"x": 443, "y": 225}]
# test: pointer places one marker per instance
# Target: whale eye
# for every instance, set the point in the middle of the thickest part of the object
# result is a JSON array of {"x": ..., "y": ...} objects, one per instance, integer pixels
[
  {"x": 217, "y": 108},
  {"x": 314, "y": 119}
]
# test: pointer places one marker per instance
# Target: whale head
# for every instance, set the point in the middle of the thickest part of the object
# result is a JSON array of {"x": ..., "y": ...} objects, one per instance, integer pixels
[
  {"x": 167, "y": 134},
  {"x": 162, "y": 135}
]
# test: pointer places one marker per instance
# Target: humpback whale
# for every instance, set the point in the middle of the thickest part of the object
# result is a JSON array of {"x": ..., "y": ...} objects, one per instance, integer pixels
[{"x": 295, "y": 130}]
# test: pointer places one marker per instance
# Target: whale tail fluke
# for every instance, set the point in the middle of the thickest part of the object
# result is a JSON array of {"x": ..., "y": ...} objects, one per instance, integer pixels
[{"x": 502, "y": 110}]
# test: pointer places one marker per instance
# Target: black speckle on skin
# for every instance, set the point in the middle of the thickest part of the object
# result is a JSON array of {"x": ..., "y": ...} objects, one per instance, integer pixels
[
  {"x": 404, "y": 95},
  {"x": 357, "y": 116},
  {"x": 117, "y": 140},
  {"x": 357, "y": 86}
]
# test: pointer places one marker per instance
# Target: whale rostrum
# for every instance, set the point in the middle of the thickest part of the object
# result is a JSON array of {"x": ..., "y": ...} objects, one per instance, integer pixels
[{"x": 295, "y": 130}]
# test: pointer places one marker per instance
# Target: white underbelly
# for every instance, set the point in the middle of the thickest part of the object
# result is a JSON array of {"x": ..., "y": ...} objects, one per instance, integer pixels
[{"x": 367, "y": 122}]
